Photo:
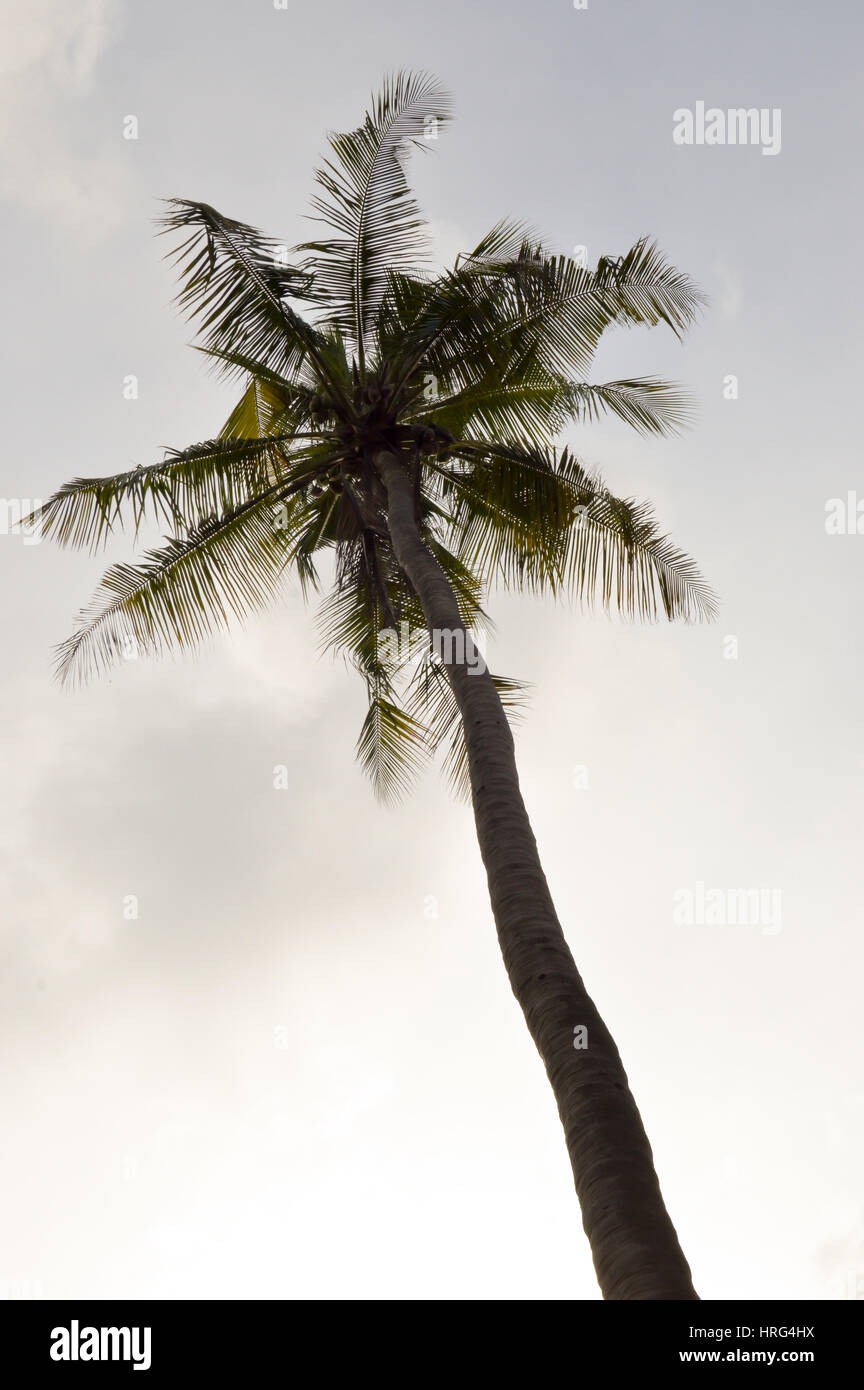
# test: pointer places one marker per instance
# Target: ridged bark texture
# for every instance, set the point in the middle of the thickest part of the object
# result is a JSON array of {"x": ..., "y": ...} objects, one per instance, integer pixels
[{"x": 633, "y": 1242}]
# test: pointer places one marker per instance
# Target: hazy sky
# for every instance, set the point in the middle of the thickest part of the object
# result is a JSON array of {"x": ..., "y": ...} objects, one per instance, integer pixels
[{"x": 300, "y": 1071}]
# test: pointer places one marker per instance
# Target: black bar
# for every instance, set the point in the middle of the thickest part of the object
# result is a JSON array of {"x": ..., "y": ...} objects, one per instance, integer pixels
[{"x": 219, "y": 1340}]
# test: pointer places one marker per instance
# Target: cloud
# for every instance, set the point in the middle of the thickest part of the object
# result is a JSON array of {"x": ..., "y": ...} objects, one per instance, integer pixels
[
  {"x": 728, "y": 294},
  {"x": 50, "y": 56},
  {"x": 59, "y": 44},
  {"x": 448, "y": 241}
]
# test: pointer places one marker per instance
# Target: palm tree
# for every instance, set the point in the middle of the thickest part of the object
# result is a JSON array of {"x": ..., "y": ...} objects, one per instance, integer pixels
[{"x": 401, "y": 423}]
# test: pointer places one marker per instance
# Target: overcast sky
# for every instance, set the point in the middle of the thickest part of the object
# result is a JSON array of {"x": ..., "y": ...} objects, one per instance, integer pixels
[{"x": 300, "y": 1070}]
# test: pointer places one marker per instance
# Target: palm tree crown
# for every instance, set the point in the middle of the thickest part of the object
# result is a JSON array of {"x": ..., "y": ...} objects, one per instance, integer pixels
[{"x": 352, "y": 344}]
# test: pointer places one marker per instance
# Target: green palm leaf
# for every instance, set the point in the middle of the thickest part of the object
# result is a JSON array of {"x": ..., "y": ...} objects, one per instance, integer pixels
[
  {"x": 430, "y": 701},
  {"x": 227, "y": 567},
  {"x": 236, "y": 287},
  {"x": 392, "y": 747},
  {"x": 368, "y": 203},
  {"x": 190, "y": 484},
  {"x": 646, "y": 404},
  {"x": 541, "y": 521}
]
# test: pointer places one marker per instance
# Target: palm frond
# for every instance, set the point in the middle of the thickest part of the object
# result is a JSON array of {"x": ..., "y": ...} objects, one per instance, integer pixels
[
  {"x": 558, "y": 310},
  {"x": 530, "y": 404},
  {"x": 234, "y": 285},
  {"x": 366, "y": 201},
  {"x": 648, "y": 405},
  {"x": 536, "y": 519},
  {"x": 643, "y": 287},
  {"x": 502, "y": 243},
  {"x": 534, "y": 312},
  {"x": 430, "y": 701},
  {"x": 188, "y": 485},
  {"x": 392, "y": 747},
  {"x": 225, "y": 568}
]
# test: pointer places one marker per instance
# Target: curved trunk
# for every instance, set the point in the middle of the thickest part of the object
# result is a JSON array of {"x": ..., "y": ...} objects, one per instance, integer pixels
[{"x": 633, "y": 1242}]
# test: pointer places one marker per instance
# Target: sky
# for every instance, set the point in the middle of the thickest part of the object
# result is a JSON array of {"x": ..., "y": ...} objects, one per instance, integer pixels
[{"x": 259, "y": 1042}]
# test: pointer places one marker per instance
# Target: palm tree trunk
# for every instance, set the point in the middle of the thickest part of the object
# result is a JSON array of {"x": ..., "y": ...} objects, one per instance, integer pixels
[{"x": 633, "y": 1242}]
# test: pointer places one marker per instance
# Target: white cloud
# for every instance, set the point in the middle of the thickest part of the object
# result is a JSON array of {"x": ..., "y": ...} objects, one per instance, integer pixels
[
  {"x": 58, "y": 45},
  {"x": 448, "y": 240},
  {"x": 50, "y": 165},
  {"x": 729, "y": 293}
]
